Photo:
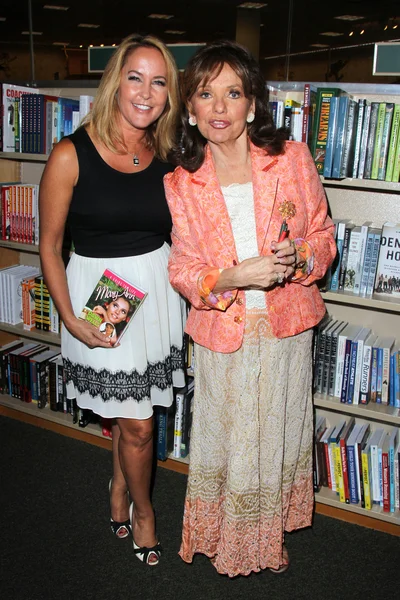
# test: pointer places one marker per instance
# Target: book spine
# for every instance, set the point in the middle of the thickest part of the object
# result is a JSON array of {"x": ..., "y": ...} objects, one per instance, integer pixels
[
  {"x": 383, "y": 155},
  {"x": 374, "y": 372},
  {"x": 322, "y": 124},
  {"x": 371, "y": 140},
  {"x": 394, "y": 135},
  {"x": 349, "y": 139},
  {"x": 345, "y": 253},
  {"x": 353, "y": 489},
  {"x": 364, "y": 140},
  {"x": 346, "y": 370},
  {"x": 340, "y": 135},
  {"x": 365, "y": 459},
  {"x": 385, "y": 478},
  {"x": 352, "y": 372},
  {"x": 178, "y": 425},
  {"x": 357, "y": 145},
  {"x": 374, "y": 264},
  {"x": 385, "y": 375},
  {"x": 378, "y": 140},
  {"x": 379, "y": 376},
  {"x": 365, "y": 374},
  {"x": 330, "y": 145}
]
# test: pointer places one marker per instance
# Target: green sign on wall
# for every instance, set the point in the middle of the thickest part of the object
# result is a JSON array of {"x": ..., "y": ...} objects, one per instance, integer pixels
[
  {"x": 387, "y": 59},
  {"x": 99, "y": 56}
]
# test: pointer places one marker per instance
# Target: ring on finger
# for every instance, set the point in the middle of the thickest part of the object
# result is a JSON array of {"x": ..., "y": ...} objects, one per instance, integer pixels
[{"x": 279, "y": 277}]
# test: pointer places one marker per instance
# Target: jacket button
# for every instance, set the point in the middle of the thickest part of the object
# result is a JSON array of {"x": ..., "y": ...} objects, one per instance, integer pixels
[
  {"x": 239, "y": 301},
  {"x": 238, "y": 319}
]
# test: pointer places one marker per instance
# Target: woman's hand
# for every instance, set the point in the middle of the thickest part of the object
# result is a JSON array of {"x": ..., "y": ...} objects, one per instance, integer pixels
[
  {"x": 263, "y": 272},
  {"x": 88, "y": 334}
]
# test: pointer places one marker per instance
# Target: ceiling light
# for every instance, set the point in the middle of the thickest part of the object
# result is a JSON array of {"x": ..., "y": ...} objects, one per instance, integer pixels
[
  {"x": 33, "y": 32},
  {"x": 320, "y": 45},
  {"x": 349, "y": 18},
  {"x": 174, "y": 31},
  {"x": 362, "y": 31},
  {"x": 90, "y": 45},
  {"x": 55, "y": 7},
  {"x": 113, "y": 45},
  {"x": 89, "y": 25},
  {"x": 251, "y": 5},
  {"x": 159, "y": 16},
  {"x": 395, "y": 27},
  {"x": 386, "y": 26},
  {"x": 351, "y": 33},
  {"x": 81, "y": 46},
  {"x": 331, "y": 33},
  {"x": 60, "y": 43}
]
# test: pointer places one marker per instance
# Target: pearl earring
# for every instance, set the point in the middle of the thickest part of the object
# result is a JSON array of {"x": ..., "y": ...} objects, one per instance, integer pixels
[
  {"x": 250, "y": 117},
  {"x": 192, "y": 121}
]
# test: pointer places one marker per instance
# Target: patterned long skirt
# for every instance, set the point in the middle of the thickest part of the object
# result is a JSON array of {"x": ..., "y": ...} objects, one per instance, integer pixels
[{"x": 250, "y": 476}]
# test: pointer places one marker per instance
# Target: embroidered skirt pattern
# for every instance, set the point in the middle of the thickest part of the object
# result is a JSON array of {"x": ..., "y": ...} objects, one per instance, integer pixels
[
  {"x": 250, "y": 474},
  {"x": 126, "y": 381}
]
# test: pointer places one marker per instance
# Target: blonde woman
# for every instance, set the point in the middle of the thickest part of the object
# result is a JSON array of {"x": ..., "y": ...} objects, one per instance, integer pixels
[{"x": 106, "y": 180}]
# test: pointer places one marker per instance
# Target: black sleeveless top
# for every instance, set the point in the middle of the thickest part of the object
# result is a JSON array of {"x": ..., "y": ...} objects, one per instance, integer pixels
[{"x": 114, "y": 214}]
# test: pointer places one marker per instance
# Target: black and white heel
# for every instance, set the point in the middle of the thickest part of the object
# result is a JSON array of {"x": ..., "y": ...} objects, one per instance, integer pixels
[
  {"x": 121, "y": 529},
  {"x": 149, "y": 556}
]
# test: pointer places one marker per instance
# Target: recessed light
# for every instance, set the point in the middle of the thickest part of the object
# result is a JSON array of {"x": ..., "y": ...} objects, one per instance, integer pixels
[
  {"x": 174, "y": 31},
  {"x": 349, "y": 18},
  {"x": 320, "y": 45},
  {"x": 55, "y": 7},
  {"x": 60, "y": 43},
  {"x": 160, "y": 16},
  {"x": 89, "y": 25},
  {"x": 331, "y": 33},
  {"x": 33, "y": 32},
  {"x": 362, "y": 31},
  {"x": 351, "y": 33},
  {"x": 113, "y": 45},
  {"x": 254, "y": 5},
  {"x": 81, "y": 46}
]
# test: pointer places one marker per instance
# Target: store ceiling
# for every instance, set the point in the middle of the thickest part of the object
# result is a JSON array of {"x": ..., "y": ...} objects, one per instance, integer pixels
[{"x": 201, "y": 21}]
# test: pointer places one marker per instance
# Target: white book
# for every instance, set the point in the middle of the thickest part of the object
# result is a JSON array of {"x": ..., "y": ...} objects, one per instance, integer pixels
[
  {"x": 366, "y": 367},
  {"x": 364, "y": 140},
  {"x": 179, "y": 399},
  {"x": 366, "y": 262},
  {"x": 361, "y": 255},
  {"x": 386, "y": 343},
  {"x": 388, "y": 268},
  {"x": 15, "y": 293},
  {"x": 85, "y": 105},
  {"x": 352, "y": 259},
  {"x": 279, "y": 113},
  {"x": 3, "y": 297},
  {"x": 6, "y": 291},
  {"x": 374, "y": 475},
  {"x": 362, "y": 336}
]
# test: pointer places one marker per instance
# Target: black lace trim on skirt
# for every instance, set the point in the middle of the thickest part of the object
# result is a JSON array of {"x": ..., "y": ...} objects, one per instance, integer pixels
[{"x": 124, "y": 385}]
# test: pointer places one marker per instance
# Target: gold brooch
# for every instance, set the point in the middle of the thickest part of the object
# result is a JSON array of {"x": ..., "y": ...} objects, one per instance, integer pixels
[{"x": 287, "y": 209}]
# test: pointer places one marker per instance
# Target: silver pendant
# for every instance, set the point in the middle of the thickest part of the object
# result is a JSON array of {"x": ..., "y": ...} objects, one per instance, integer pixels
[{"x": 136, "y": 161}]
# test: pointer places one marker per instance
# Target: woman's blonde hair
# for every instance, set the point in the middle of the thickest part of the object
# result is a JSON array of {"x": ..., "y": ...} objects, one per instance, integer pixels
[{"x": 103, "y": 118}]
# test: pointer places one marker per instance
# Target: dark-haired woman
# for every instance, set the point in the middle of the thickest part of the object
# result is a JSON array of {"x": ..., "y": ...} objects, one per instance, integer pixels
[
  {"x": 254, "y": 301},
  {"x": 107, "y": 179}
]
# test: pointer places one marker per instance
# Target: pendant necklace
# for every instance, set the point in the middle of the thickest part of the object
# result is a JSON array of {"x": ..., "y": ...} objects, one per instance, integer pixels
[{"x": 135, "y": 157}]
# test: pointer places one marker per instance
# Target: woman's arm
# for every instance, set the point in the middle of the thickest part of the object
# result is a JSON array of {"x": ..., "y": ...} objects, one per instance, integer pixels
[{"x": 56, "y": 189}]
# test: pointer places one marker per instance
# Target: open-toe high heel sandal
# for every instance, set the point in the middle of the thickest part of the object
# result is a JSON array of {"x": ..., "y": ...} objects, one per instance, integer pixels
[
  {"x": 144, "y": 553},
  {"x": 121, "y": 529},
  {"x": 284, "y": 567}
]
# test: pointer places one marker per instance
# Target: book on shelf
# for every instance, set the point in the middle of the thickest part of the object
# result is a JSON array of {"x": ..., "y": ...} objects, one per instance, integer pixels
[
  {"x": 346, "y": 164},
  {"x": 5, "y": 349},
  {"x": 336, "y": 266},
  {"x": 396, "y": 162},
  {"x": 374, "y": 261},
  {"x": 364, "y": 230},
  {"x": 324, "y": 387},
  {"x": 366, "y": 369},
  {"x": 374, "y": 474},
  {"x": 349, "y": 226},
  {"x": 364, "y": 141},
  {"x": 385, "y": 475},
  {"x": 318, "y": 457},
  {"x": 384, "y": 147},
  {"x": 112, "y": 305},
  {"x": 321, "y": 123},
  {"x": 387, "y": 280},
  {"x": 333, "y": 359},
  {"x": 336, "y": 464},
  {"x": 325, "y": 443},
  {"x": 358, "y": 136},
  {"x": 340, "y": 138},
  {"x": 357, "y": 358},
  {"x": 380, "y": 123},
  {"x": 353, "y": 257},
  {"x": 385, "y": 344},
  {"x": 309, "y": 106},
  {"x": 10, "y": 113},
  {"x": 343, "y": 356},
  {"x": 371, "y": 140},
  {"x": 182, "y": 419},
  {"x": 85, "y": 105},
  {"x": 332, "y": 130},
  {"x": 352, "y": 466},
  {"x": 393, "y": 437},
  {"x": 361, "y": 444},
  {"x": 187, "y": 420},
  {"x": 366, "y": 474},
  {"x": 344, "y": 496}
]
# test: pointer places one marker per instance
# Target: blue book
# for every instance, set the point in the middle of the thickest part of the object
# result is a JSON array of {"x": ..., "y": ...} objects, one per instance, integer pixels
[
  {"x": 397, "y": 380},
  {"x": 374, "y": 371},
  {"x": 330, "y": 144},
  {"x": 367, "y": 262},
  {"x": 344, "y": 103},
  {"x": 391, "y": 379},
  {"x": 346, "y": 370},
  {"x": 374, "y": 261},
  {"x": 352, "y": 373}
]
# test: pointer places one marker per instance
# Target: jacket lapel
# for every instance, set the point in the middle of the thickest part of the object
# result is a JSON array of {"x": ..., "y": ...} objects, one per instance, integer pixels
[{"x": 266, "y": 193}]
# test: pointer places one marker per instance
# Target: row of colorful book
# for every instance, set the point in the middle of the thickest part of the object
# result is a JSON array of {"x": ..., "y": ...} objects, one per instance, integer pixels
[
  {"x": 359, "y": 464},
  {"x": 354, "y": 364},
  {"x": 367, "y": 260},
  {"x": 25, "y": 299},
  {"x": 19, "y": 212},
  {"x": 347, "y": 137},
  {"x": 33, "y": 122}
]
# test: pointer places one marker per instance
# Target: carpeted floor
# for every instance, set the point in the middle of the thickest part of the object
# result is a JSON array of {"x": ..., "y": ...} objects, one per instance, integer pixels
[{"x": 56, "y": 543}]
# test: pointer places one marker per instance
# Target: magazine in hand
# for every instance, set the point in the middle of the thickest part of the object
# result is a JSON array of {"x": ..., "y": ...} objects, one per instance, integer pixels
[{"x": 112, "y": 305}]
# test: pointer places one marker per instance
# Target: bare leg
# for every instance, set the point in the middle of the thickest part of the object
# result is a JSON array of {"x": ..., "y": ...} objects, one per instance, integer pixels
[
  {"x": 119, "y": 498},
  {"x": 135, "y": 459}
]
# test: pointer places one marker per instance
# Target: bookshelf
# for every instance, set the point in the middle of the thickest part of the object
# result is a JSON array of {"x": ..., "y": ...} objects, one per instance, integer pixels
[{"x": 359, "y": 200}]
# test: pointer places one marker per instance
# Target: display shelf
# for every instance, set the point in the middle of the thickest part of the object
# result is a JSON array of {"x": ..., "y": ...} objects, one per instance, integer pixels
[
  {"x": 30, "y": 248},
  {"x": 362, "y": 184},
  {"x": 371, "y": 411},
  {"x": 377, "y": 301},
  {"x": 34, "y": 334},
  {"x": 23, "y": 156},
  {"x": 326, "y": 496}
]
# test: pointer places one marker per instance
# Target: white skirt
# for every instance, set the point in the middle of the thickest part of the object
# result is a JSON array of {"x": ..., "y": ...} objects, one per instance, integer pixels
[{"x": 127, "y": 381}]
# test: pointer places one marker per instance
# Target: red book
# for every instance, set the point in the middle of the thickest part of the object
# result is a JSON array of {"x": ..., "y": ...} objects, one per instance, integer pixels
[{"x": 386, "y": 475}]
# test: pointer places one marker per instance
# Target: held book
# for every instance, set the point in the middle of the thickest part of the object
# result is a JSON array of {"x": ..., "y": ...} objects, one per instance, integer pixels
[{"x": 112, "y": 305}]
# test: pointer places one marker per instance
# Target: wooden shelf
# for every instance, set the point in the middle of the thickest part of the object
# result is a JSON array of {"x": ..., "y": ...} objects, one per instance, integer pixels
[
  {"x": 377, "y": 301},
  {"x": 376, "y": 412},
  {"x": 326, "y": 496},
  {"x": 22, "y": 156},
  {"x": 363, "y": 184},
  {"x": 19, "y": 246},
  {"x": 35, "y": 334}
]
